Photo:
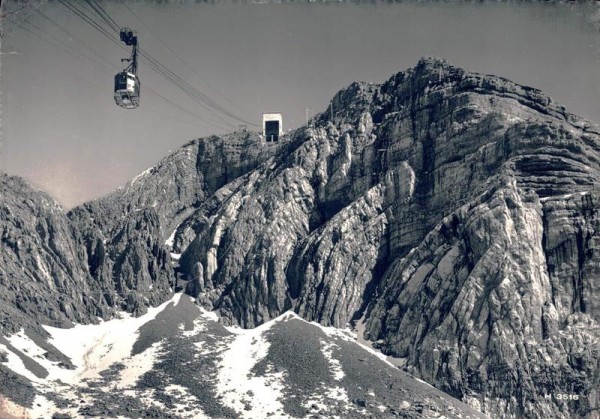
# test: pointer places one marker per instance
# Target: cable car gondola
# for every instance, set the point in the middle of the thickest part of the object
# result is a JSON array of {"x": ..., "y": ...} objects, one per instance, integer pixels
[
  {"x": 127, "y": 90},
  {"x": 127, "y": 84}
]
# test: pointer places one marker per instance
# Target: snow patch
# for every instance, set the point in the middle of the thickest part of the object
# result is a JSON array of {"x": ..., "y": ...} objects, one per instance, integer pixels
[
  {"x": 249, "y": 395},
  {"x": 209, "y": 315},
  {"x": 23, "y": 343},
  {"x": 44, "y": 269},
  {"x": 93, "y": 348},
  {"x": 42, "y": 408},
  {"x": 405, "y": 405},
  {"x": 171, "y": 239},
  {"x": 337, "y": 393},
  {"x": 138, "y": 365},
  {"x": 147, "y": 398},
  {"x": 334, "y": 365},
  {"x": 512, "y": 118},
  {"x": 199, "y": 326},
  {"x": 565, "y": 196},
  {"x": 318, "y": 400}
]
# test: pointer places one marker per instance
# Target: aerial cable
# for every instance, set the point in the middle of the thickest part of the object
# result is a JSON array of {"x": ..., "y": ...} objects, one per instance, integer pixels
[
  {"x": 197, "y": 96},
  {"x": 105, "y": 62},
  {"x": 28, "y": 26},
  {"x": 153, "y": 64},
  {"x": 95, "y": 9},
  {"x": 184, "y": 110},
  {"x": 90, "y": 21},
  {"x": 156, "y": 66},
  {"x": 186, "y": 90},
  {"x": 191, "y": 68},
  {"x": 183, "y": 85},
  {"x": 52, "y": 40},
  {"x": 111, "y": 22},
  {"x": 57, "y": 44},
  {"x": 103, "y": 15},
  {"x": 83, "y": 14},
  {"x": 161, "y": 69}
]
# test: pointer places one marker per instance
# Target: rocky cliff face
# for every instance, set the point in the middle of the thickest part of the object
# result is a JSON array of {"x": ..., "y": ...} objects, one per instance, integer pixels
[
  {"x": 426, "y": 207},
  {"x": 43, "y": 277},
  {"x": 451, "y": 214},
  {"x": 125, "y": 233},
  {"x": 475, "y": 309}
]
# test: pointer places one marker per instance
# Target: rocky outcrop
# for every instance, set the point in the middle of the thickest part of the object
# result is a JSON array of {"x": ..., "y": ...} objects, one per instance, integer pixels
[
  {"x": 125, "y": 232},
  {"x": 43, "y": 276},
  {"x": 474, "y": 309},
  {"x": 179, "y": 182}
]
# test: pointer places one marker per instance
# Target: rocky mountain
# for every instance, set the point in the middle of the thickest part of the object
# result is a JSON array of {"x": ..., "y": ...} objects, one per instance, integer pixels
[{"x": 448, "y": 216}]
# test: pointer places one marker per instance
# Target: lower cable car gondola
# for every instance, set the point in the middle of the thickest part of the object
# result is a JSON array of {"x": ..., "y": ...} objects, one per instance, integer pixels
[
  {"x": 127, "y": 83},
  {"x": 127, "y": 90}
]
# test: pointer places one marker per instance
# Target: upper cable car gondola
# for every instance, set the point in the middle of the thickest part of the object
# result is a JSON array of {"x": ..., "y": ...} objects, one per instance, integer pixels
[{"x": 127, "y": 84}]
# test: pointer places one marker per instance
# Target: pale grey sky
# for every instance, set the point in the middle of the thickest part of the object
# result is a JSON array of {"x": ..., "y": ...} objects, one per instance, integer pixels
[{"x": 63, "y": 132}]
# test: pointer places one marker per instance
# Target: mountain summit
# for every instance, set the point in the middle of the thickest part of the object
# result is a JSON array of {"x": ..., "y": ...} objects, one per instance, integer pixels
[{"x": 448, "y": 217}]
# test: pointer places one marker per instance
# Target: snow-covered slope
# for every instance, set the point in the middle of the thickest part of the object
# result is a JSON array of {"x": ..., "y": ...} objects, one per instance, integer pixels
[{"x": 178, "y": 361}]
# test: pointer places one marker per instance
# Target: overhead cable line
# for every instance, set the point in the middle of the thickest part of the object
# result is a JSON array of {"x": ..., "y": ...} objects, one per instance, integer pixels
[
  {"x": 182, "y": 109},
  {"x": 104, "y": 15},
  {"x": 90, "y": 21},
  {"x": 76, "y": 38},
  {"x": 45, "y": 36},
  {"x": 186, "y": 87},
  {"x": 199, "y": 97},
  {"x": 172, "y": 51},
  {"x": 154, "y": 65}
]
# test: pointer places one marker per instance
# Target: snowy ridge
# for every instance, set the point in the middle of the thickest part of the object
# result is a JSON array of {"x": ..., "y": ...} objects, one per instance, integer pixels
[{"x": 178, "y": 360}]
